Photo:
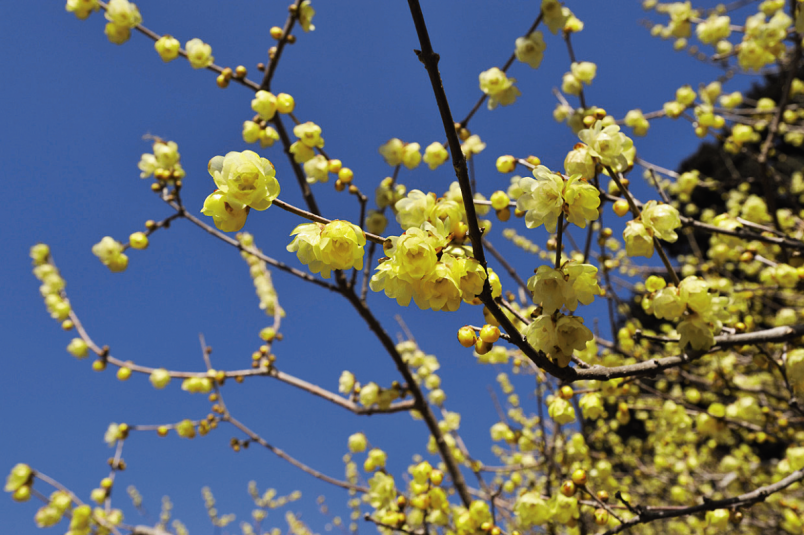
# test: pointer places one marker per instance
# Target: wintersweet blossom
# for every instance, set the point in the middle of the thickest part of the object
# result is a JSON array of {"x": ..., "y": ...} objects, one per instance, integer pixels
[
  {"x": 541, "y": 198},
  {"x": 608, "y": 145},
  {"x": 549, "y": 195},
  {"x": 245, "y": 178},
  {"x": 638, "y": 239},
  {"x": 531, "y": 510},
  {"x": 558, "y": 336},
  {"x": 392, "y": 151},
  {"x": 555, "y": 15},
  {"x": 305, "y": 15},
  {"x": 411, "y": 157},
  {"x": 416, "y": 208},
  {"x": 167, "y": 47},
  {"x": 338, "y": 245},
  {"x": 435, "y": 154},
  {"x": 225, "y": 216},
  {"x": 662, "y": 220},
  {"x": 199, "y": 53},
  {"x": 110, "y": 253},
  {"x": 316, "y": 169},
  {"x": 82, "y": 8},
  {"x": 530, "y": 49},
  {"x": 499, "y": 88},
  {"x": 264, "y": 104},
  {"x": 565, "y": 286},
  {"x": 309, "y": 133}
]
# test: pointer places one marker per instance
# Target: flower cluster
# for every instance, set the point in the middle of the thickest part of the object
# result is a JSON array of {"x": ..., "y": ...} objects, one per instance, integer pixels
[
  {"x": 52, "y": 288},
  {"x": 122, "y": 16},
  {"x": 499, "y": 88},
  {"x": 261, "y": 277},
  {"x": 244, "y": 181},
  {"x": 309, "y": 135},
  {"x": 110, "y": 253},
  {"x": 702, "y": 312},
  {"x": 565, "y": 286},
  {"x": 657, "y": 220},
  {"x": 397, "y": 152},
  {"x": 422, "y": 268},
  {"x": 763, "y": 42},
  {"x": 336, "y": 245},
  {"x": 162, "y": 163},
  {"x": 549, "y": 195},
  {"x": 558, "y": 336}
]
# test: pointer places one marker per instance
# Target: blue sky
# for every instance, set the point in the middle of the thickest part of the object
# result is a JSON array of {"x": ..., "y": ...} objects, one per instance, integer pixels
[{"x": 76, "y": 108}]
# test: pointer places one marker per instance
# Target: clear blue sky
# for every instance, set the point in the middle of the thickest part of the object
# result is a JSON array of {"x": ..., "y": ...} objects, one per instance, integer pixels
[{"x": 76, "y": 107}]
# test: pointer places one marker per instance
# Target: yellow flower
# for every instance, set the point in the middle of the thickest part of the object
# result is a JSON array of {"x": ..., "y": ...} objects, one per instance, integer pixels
[
  {"x": 197, "y": 385},
  {"x": 264, "y": 104},
  {"x": 638, "y": 239},
  {"x": 794, "y": 364},
  {"x": 341, "y": 246},
  {"x": 301, "y": 152},
  {"x": 472, "y": 145},
  {"x": 309, "y": 133},
  {"x": 376, "y": 222},
  {"x": 415, "y": 253},
  {"x": 110, "y": 253},
  {"x": 581, "y": 201},
  {"x": 584, "y": 71},
  {"x": 636, "y": 120},
  {"x": 607, "y": 144},
  {"x": 305, "y": 14},
  {"x": 167, "y": 47},
  {"x": 225, "y": 216},
  {"x": 411, "y": 157},
  {"x": 346, "y": 382},
  {"x": 555, "y": 15},
  {"x": 439, "y": 291},
  {"x": 245, "y": 178},
  {"x": 185, "y": 429},
  {"x": 78, "y": 348},
  {"x": 357, "y": 442},
  {"x": 549, "y": 288},
  {"x": 531, "y": 510},
  {"x": 542, "y": 198},
  {"x": 571, "y": 334},
  {"x": 199, "y": 53},
  {"x": 123, "y": 13},
  {"x": 392, "y": 151},
  {"x": 435, "y": 154},
  {"x": 667, "y": 304},
  {"x": 579, "y": 162},
  {"x": 530, "y": 49},
  {"x": 117, "y": 34},
  {"x": 416, "y": 208},
  {"x": 591, "y": 406},
  {"x": 694, "y": 331},
  {"x": 498, "y": 87},
  {"x": 82, "y": 8},
  {"x": 662, "y": 220},
  {"x": 317, "y": 169},
  {"x": 19, "y": 476},
  {"x": 561, "y": 411},
  {"x": 159, "y": 378}
]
